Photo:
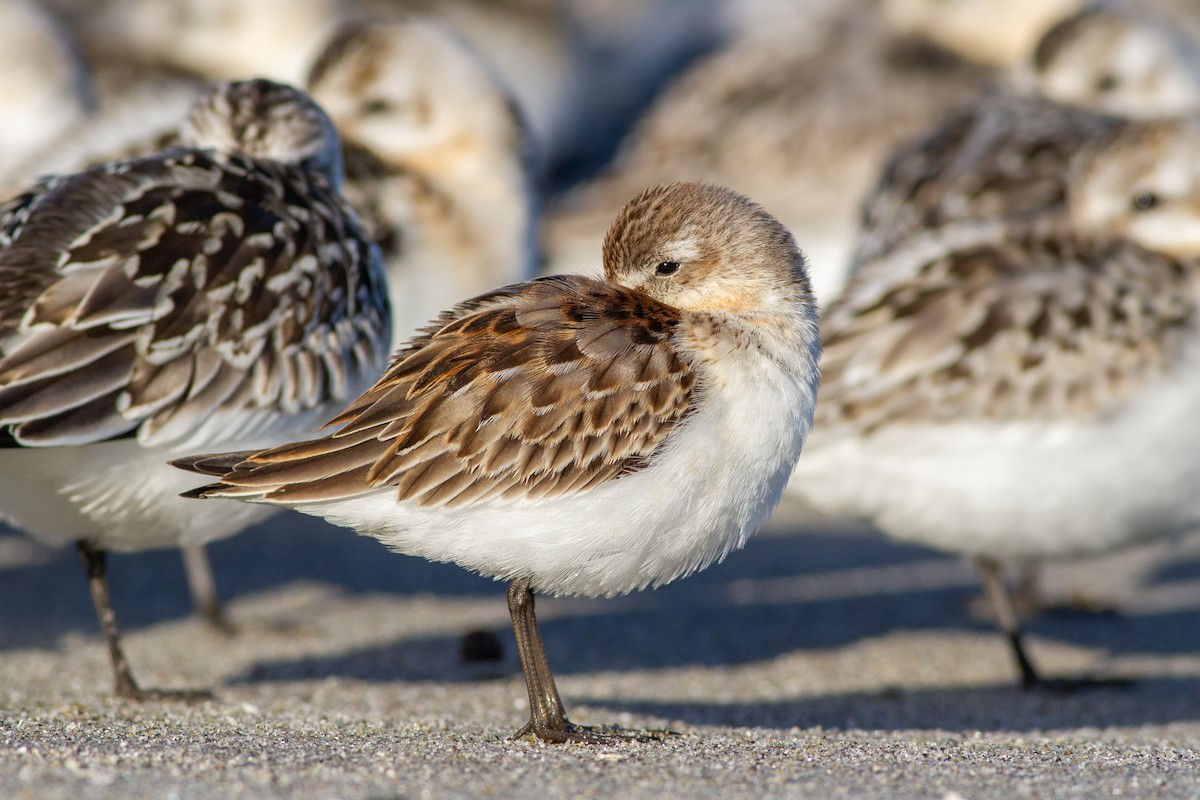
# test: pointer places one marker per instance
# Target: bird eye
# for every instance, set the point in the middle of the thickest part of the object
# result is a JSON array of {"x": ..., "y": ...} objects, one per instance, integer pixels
[
  {"x": 1106, "y": 83},
  {"x": 667, "y": 268},
  {"x": 373, "y": 107},
  {"x": 1144, "y": 201}
]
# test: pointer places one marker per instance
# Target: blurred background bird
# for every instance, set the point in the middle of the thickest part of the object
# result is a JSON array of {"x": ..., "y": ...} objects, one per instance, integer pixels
[
  {"x": 485, "y": 139},
  {"x": 218, "y": 290}
]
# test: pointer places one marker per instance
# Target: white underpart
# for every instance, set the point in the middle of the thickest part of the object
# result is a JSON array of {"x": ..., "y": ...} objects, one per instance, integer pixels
[
  {"x": 1021, "y": 490},
  {"x": 116, "y": 495},
  {"x": 122, "y": 495},
  {"x": 708, "y": 489}
]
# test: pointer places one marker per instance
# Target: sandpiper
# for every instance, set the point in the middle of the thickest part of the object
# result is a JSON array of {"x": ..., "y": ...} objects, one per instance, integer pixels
[
  {"x": 1009, "y": 151},
  {"x": 990, "y": 384},
  {"x": 217, "y": 292},
  {"x": 579, "y": 436},
  {"x": 1119, "y": 60},
  {"x": 1006, "y": 154},
  {"x": 438, "y": 162}
]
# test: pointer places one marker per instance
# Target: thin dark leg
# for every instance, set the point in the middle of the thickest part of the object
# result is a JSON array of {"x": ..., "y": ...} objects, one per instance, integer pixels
[
  {"x": 204, "y": 588},
  {"x": 547, "y": 718},
  {"x": 549, "y": 691},
  {"x": 95, "y": 564},
  {"x": 1006, "y": 619}
]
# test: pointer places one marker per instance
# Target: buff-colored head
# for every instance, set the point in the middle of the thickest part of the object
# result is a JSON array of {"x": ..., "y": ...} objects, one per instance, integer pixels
[
  {"x": 268, "y": 120},
  {"x": 45, "y": 87},
  {"x": 1143, "y": 184},
  {"x": 410, "y": 91},
  {"x": 702, "y": 247},
  {"x": 1000, "y": 33},
  {"x": 1118, "y": 61}
]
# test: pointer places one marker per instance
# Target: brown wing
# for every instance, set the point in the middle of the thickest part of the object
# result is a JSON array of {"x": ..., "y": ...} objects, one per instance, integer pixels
[
  {"x": 541, "y": 389},
  {"x": 1016, "y": 326},
  {"x": 1003, "y": 155},
  {"x": 153, "y": 294}
]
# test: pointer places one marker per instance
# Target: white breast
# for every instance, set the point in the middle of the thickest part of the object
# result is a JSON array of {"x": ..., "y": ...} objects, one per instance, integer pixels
[
  {"x": 1021, "y": 489},
  {"x": 712, "y": 484}
]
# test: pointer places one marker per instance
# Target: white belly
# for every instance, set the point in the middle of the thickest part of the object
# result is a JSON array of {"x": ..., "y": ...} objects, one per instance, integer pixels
[
  {"x": 117, "y": 495},
  {"x": 707, "y": 491},
  {"x": 1020, "y": 490}
]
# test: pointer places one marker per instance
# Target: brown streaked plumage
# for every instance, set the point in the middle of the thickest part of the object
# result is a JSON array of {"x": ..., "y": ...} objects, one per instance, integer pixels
[
  {"x": 218, "y": 291},
  {"x": 518, "y": 392},
  {"x": 575, "y": 436},
  {"x": 1005, "y": 155},
  {"x": 197, "y": 284},
  {"x": 1019, "y": 322},
  {"x": 1022, "y": 387}
]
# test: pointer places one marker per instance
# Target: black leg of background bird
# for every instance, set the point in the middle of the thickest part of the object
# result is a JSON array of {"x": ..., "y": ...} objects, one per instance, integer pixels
[
  {"x": 547, "y": 717},
  {"x": 95, "y": 563},
  {"x": 1008, "y": 622},
  {"x": 1006, "y": 619},
  {"x": 203, "y": 589}
]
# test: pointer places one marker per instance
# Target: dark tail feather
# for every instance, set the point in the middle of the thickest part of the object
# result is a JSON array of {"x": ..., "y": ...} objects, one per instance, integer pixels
[
  {"x": 220, "y": 464},
  {"x": 200, "y": 492}
]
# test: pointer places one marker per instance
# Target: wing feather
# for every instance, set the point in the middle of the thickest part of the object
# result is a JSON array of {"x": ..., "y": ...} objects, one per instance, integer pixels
[
  {"x": 1003, "y": 155},
  {"x": 200, "y": 285},
  {"x": 1019, "y": 325},
  {"x": 455, "y": 420}
]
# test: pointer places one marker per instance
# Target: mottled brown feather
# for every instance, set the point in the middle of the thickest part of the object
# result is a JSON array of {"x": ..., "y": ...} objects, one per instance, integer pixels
[
  {"x": 1003, "y": 155},
  {"x": 454, "y": 420},
  {"x": 1019, "y": 325},
  {"x": 197, "y": 282}
]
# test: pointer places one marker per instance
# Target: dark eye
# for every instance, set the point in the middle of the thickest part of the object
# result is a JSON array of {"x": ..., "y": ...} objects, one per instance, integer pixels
[
  {"x": 373, "y": 107},
  {"x": 1106, "y": 83},
  {"x": 1144, "y": 201},
  {"x": 667, "y": 268}
]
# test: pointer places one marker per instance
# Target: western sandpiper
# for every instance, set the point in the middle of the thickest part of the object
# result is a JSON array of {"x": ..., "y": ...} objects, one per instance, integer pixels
[
  {"x": 218, "y": 292},
  {"x": 1119, "y": 60},
  {"x": 438, "y": 162},
  {"x": 579, "y": 436},
  {"x": 1009, "y": 152},
  {"x": 989, "y": 383}
]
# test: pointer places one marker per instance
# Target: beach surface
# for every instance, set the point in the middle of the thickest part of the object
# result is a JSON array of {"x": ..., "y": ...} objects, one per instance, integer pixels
[{"x": 822, "y": 661}]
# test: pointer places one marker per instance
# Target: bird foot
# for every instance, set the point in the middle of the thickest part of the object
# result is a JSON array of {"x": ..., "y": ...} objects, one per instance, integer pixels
[
  {"x": 566, "y": 731},
  {"x": 136, "y": 694}
]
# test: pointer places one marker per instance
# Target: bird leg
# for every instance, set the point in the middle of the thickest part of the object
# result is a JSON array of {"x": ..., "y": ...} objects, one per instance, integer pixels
[
  {"x": 203, "y": 589},
  {"x": 1007, "y": 620},
  {"x": 547, "y": 718},
  {"x": 95, "y": 564}
]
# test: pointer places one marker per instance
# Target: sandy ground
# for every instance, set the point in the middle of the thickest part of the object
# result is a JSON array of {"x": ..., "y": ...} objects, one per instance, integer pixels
[{"x": 819, "y": 662}]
